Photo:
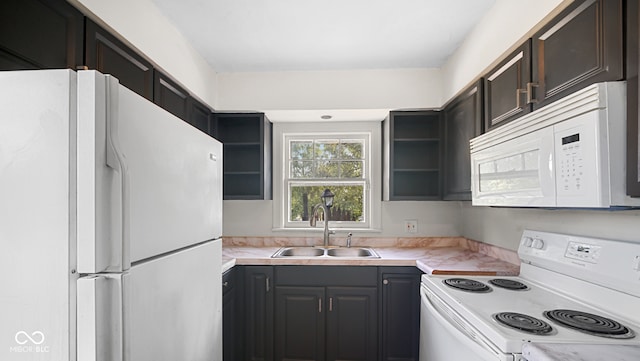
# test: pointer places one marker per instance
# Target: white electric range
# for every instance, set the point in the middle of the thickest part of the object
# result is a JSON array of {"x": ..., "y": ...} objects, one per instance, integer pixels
[{"x": 571, "y": 290}]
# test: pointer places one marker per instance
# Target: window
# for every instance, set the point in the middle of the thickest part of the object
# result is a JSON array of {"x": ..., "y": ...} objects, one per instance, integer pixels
[{"x": 320, "y": 156}]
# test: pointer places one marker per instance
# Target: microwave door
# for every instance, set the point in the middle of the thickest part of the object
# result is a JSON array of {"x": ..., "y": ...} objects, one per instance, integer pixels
[{"x": 518, "y": 172}]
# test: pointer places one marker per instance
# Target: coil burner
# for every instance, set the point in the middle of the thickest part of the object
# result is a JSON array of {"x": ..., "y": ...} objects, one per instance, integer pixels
[{"x": 589, "y": 323}]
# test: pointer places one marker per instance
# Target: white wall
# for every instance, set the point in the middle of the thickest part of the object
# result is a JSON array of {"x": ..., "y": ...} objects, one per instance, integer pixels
[
  {"x": 253, "y": 218},
  {"x": 148, "y": 30},
  {"x": 503, "y": 226},
  {"x": 504, "y": 27},
  {"x": 359, "y": 89}
]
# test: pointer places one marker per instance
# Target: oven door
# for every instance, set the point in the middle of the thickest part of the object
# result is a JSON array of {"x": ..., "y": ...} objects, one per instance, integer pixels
[
  {"x": 517, "y": 172},
  {"x": 444, "y": 335}
]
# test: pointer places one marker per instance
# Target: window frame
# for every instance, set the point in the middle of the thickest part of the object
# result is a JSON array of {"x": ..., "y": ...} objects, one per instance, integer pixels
[{"x": 370, "y": 132}]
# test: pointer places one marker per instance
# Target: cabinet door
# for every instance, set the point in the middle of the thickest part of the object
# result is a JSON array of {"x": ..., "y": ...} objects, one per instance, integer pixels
[
  {"x": 506, "y": 88},
  {"x": 109, "y": 55},
  {"x": 300, "y": 325},
  {"x": 633, "y": 99},
  {"x": 230, "y": 317},
  {"x": 581, "y": 46},
  {"x": 463, "y": 121},
  {"x": 400, "y": 333},
  {"x": 258, "y": 324},
  {"x": 200, "y": 116},
  {"x": 352, "y": 324},
  {"x": 170, "y": 96},
  {"x": 39, "y": 34}
]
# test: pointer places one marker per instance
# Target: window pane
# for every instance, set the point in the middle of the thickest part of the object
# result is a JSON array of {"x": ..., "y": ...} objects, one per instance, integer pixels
[
  {"x": 327, "y": 169},
  {"x": 302, "y": 150},
  {"x": 348, "y": 202},
  {"x": 351, "y": 149},
  {"x": 326, "y": 149},
  {"x": 351, "y": 169},
  {"x": 301, "y": 169}
]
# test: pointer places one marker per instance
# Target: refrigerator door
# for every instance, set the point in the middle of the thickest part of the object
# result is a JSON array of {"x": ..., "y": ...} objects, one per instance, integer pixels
[
  {"x": 168, "y": 308},
  {"x": 37, "y": 240},
  {"x": 149, "y": 183}
]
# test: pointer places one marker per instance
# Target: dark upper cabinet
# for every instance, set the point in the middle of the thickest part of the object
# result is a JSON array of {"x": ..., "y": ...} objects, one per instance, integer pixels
[
  {"x": 505, "y": 88},
  {"x": 581, "y": 46},
  {"x": 170, "y": 96},
  {"x": 413, "y": 158},
  {"x": 39, "y": 34},
  {"x": 200, "y": 116},
  {"x": 258, "y": 313},
  {"x": 247, "y": 154},
  {"x": 633, "y": 99},
  {"x": 107, "y": 54},
  {"x": 463, "y": 119},
  {"x": 399, "y": 313}
]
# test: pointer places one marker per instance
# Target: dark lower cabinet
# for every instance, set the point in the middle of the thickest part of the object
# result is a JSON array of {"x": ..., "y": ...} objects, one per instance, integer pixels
[
  {"x": 326, "y": 313},
  {"x": 40, "y": 34},
  {"x": 633, "y": 99},
  {"x": 105, "y": 53},
  {"x": 300, "y": 323},
  {"x": 258, "y": 313},
  {"x": 231, "y": 316},
  {"x": 463, "y": 119},
  {"x": 400, "y": 313}
]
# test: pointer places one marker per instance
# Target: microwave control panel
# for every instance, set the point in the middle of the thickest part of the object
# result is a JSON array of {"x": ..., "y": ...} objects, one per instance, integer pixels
[
  {"x": 570, "y": 164},
  {"x": 577, "y": 162}
]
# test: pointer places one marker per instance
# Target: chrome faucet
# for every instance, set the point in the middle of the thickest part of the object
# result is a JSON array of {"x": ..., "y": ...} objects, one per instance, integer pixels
[
  {"x": 312, "y": 221},
  {"x": 349, "y": 239},
  {"x": 327, "y": 202}
]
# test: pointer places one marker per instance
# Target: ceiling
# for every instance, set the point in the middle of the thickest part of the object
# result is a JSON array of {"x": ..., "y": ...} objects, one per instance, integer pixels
[{"x": 308, "y": 35}]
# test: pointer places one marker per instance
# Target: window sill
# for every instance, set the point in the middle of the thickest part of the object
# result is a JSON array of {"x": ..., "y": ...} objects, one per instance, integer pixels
[{"x": 321, "y": 230}]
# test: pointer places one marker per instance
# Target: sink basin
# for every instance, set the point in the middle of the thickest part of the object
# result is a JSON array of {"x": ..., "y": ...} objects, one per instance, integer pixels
[
  {"x": 355, "y": 252},
  {"x": 352, "y": 252},
  {"x": 299, "y": 252}
]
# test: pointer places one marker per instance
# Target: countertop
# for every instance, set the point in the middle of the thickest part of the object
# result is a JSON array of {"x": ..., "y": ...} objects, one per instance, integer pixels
[
  {"x": 579, "y": 352},
  {"x": 439, "y": 260}
]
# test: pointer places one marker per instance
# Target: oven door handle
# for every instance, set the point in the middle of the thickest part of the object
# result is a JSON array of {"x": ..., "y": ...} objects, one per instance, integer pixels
[{"x": 455, "y": 325}]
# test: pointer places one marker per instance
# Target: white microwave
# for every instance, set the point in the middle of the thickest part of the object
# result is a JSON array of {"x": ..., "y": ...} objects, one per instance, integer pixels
[{"x": 571, "y": 153}]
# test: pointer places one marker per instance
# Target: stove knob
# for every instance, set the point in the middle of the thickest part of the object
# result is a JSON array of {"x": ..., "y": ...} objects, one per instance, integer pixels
[
  {"x": 537, "y": 243},
  {"x": 527, "y": 241}
]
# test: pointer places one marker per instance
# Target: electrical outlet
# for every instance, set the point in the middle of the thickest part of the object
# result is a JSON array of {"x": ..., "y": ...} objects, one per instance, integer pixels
[{"x": 410, "y": 226}]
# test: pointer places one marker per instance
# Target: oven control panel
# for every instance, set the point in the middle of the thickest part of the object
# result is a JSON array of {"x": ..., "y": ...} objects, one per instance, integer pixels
[{"x": 583, "y": 252}]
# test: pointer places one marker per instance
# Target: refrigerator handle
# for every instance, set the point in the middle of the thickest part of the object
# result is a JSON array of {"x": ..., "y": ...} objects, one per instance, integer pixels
[
  {"x": 100, "y": 319},
  {"x": 117, "y": 161}
]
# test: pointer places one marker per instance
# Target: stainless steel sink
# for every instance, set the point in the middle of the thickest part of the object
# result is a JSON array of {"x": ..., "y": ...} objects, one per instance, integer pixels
[
  {"x": 299, "y": 252},
  {"x": 352, "y": 252},
  {"x": 312, "y": 252}
]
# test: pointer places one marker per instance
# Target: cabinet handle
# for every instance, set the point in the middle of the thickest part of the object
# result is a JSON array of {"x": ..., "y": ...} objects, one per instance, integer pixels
[
  {"x": 319, "y": 305},
  {"x": 266, "y": 280},
  {"x": 385, "y": 282},
  {"x": 225, "y": 284},
  {"x": 530, "y": 97},
  {"x": 330, "y": 304},
  {"x": 519, "y": 92}
]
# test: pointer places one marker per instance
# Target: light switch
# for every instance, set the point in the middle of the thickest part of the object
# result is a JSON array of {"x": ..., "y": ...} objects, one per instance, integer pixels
[{"x": 636, "y": 263}]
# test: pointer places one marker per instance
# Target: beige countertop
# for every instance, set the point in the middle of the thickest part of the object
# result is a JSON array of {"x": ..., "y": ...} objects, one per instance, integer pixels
[{"x": 455, "y": 260}]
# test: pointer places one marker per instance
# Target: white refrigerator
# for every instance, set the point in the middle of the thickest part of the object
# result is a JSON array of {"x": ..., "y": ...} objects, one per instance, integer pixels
[{"x": 110, "y": 224}]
